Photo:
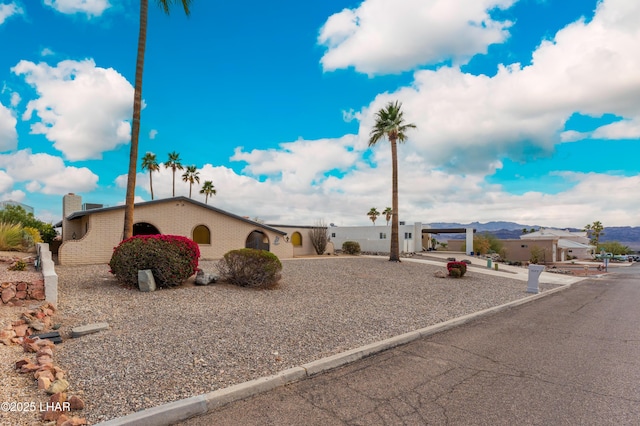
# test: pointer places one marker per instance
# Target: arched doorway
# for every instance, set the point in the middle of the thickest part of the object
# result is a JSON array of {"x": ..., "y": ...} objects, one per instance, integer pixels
[
  {"x": 296, "y": 239},
  {"x": 144, "y": 228},
  {"x": 257, "y": 240}
]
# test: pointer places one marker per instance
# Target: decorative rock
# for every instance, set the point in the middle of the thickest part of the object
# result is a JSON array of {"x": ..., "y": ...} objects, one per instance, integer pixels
[
  {"x": 146, "y": 282},
  {"x": 75, "y": 403},
  {"x": 43, "y": 383},
  {"x": 75, "y": 421},
  {"x": 440, "y": 274},
  {"x": 44, "y": 373},
  {"x": 36, "y": 325},
  {"x": 22, "y": 362},
  {"x": 59, "y": 385},
  {"x": 51, "y": 416},
  {"x": 21, "y": 330},
  {"x": 88, "y": 329},
  {"x": 58, "y": 398},
  {"x": 203, "y": 278},
  {"x": 8, "y": 294}
]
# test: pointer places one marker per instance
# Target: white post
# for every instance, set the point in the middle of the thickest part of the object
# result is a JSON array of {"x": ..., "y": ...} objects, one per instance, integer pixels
[
  {"x": 534, "y": 277},
  {"x": 469, "y": 240}
]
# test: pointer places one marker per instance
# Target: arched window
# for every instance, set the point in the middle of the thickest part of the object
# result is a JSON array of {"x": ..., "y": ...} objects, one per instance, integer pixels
[
  {"x": 296, "y": 239},
  {"x": 144, "y": 228},
  {"x": 257, "y": 240},
  {"x": 201, "y": 235}
]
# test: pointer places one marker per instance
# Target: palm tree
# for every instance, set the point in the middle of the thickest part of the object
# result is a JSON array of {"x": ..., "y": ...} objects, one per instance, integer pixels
[
  {"x": 207, "y": 189},
  {"x": 137, "y": 107},
  {"x": 594, "y": 230},
  {"x": 390, "y": 124},
  {"x": 373, "y": 215},
  {"x": 150, "y": 163},
  {"x": 174, "y": 164},
  {"x": 387, "y": 214},
  {"x": 191, "y": 176}
]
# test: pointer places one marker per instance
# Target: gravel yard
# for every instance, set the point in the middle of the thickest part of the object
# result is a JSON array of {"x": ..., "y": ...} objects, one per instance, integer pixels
[{"x": 173, "y": 344}]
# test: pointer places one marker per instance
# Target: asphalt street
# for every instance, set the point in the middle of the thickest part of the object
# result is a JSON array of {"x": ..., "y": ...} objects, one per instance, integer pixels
[{"x": 572, "y": 358}]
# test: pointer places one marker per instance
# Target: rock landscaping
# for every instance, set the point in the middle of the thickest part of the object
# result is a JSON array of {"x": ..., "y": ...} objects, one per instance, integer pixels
[{"x": 19, "y": 286}]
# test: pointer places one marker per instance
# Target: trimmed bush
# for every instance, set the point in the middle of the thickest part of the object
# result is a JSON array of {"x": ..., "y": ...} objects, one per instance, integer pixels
[
  {"x": 250, "y": 268},
  {"x": 171, "y": 258},
  {"x": 457, "y": 266},
  {"x": 351, "y": 247}
]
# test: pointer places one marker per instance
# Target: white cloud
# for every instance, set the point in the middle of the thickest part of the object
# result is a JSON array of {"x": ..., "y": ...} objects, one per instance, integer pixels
[
  {"x": 89, "y": 7},
  {"x": 298, "y": 165},
  {"x": 47, "y": 52},
  {"x": 388, "y": 36},
  {"x": 8, "y": 132},
  {"x": 15, "y": 99},
  {"x": 465, "y": 122},
  {"x": 6, "y": 182},
  {"x": 153, "y": 133},
  {"x": 47, "y": 173},
  {"x": 83, "y": 109},
  {"x": 8, "y": 10}
]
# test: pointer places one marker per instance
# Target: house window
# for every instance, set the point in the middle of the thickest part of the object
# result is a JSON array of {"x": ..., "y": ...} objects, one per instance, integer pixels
[
  {"x": 407, "y": 236},
  {"x": 296, "y": 239},
  {"x": 524, "y": 246},
  {"x": 201, "y": 235},
  {"x": 383, "y": 235},
  {"x": 333, "y": 235}
]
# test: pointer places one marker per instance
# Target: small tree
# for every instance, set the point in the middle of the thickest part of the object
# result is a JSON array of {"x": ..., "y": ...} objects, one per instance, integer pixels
[
  {"x": 388, "y": 213},
  {"x": 594, "y": 231},
  {"x": 319, "y": 237},
  {"x": 537, "y": 255},
  {"x": 18, "y": 215},
  {"x": 373, "y": 214},
  {"x": 614, "y": 247}
]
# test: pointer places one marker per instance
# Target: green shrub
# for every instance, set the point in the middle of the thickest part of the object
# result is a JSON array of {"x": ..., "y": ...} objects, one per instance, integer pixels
[
  {"x": 351, "y": 247},
  {"x": 171, "y": 258},
  {"x": 19, "y": 265},
  {"x": 455, "y": 272},
  {"x": 250, "y": 268},
  {"x": 18, "y": 215},
  {"x": 11, "y": 235}
]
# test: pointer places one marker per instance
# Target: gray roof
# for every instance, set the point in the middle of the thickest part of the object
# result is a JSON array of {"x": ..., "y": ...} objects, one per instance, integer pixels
[{"x": 82, "y": 213}]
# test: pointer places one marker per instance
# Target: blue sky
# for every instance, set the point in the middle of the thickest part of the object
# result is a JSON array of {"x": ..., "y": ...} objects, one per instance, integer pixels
[{"x": 526, "y": 111}]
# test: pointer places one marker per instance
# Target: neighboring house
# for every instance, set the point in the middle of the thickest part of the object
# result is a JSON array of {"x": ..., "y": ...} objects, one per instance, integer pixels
[
  {"x": 89, "y": 236},
  {"x": 300, "y": 239},
  {"x": 6, "y": 203},
  {"x": 553, "y": 245},
  {"x": 566, "y": 243},
  {"x": 376, "y": 238}
]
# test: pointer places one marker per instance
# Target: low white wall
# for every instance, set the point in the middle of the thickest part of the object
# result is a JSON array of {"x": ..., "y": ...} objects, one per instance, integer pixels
[{"x": 49, "y": 272}]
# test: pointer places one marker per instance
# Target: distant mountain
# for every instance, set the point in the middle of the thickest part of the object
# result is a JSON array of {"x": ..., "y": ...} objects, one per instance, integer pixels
[{"x": 627, "y": 235}]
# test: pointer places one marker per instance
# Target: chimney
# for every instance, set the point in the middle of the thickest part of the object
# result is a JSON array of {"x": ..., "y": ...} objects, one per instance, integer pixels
[{"x": 71, "y": 203}]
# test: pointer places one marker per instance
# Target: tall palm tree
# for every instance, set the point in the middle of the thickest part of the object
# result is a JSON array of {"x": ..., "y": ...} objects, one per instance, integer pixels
[
  {"x": 192, "y": 176},
  {"x": 373, "y": 215},
  {"x": 207, "y": 189},
  {"x": 150, "y": 163},
  {"x": 174, "y": 164},
  {"x": 390, "y": 124},
  {"x": 137, "y": 107},
  {"x": 388, "y": 212}
]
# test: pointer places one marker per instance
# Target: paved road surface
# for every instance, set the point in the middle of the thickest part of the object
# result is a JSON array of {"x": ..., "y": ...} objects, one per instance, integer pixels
[{"x": 572, "y": 358}]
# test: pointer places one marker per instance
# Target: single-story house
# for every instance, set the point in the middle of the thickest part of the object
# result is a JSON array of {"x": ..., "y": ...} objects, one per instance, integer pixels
[
  {"x": 89, "y": 236},
  {"x": 553, "y": 246},
  {"x": 377, "y": 238}
]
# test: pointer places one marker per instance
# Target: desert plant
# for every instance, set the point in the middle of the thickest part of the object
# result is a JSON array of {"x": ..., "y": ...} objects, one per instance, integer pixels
[
  {"x": 18, "y": 215},
  {"x": 19, "y": 265},
  {"x": 11, "y": 235},
  {"x": 459, "y": 266},
  {"x": 250, "y": 268},
  {"x": 171, "y": 258},
  {"x": 31, "y": 237},
  {"x": 319, "y": 237},
  {"x": 351, "y": 247},
  {"x": 537, "y": 255}
]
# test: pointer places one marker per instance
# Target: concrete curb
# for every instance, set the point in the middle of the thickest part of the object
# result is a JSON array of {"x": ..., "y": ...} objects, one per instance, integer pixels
[
  {"x": 49, "y": 274},
  {"x": 167, "y": 414}
]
